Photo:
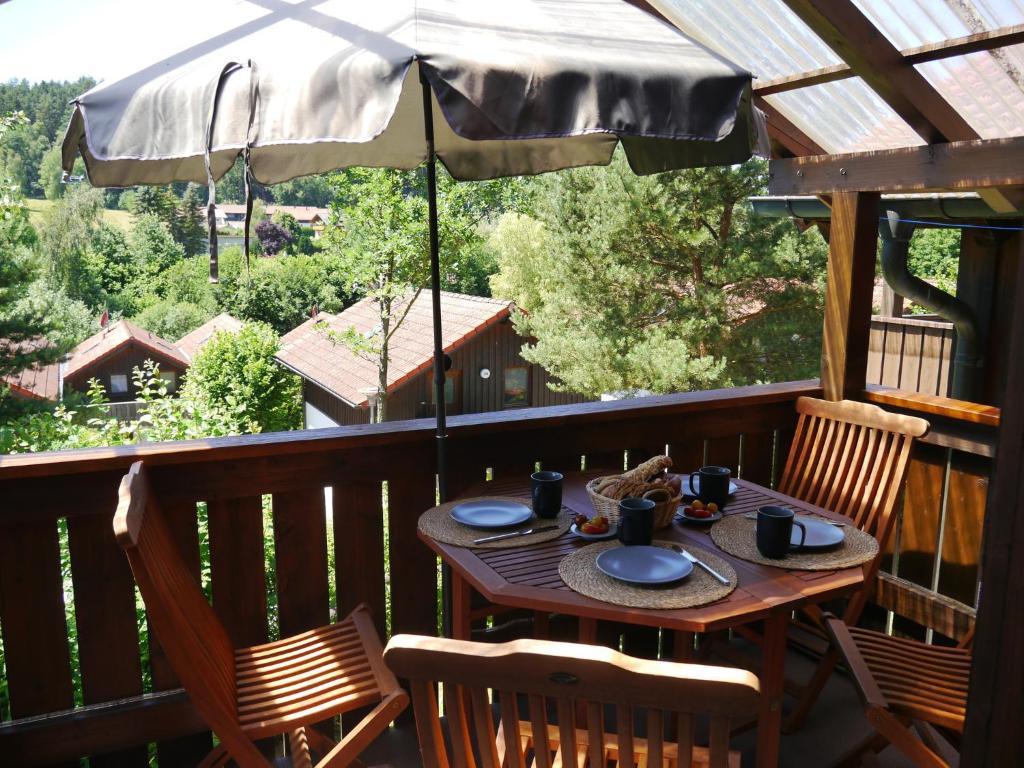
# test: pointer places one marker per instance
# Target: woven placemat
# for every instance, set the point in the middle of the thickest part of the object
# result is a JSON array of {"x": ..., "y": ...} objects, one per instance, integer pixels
[
  {"x": 735, "y": 534},
  {"x": 438, "y": 524},
  {"x": 579, "y": 572}
]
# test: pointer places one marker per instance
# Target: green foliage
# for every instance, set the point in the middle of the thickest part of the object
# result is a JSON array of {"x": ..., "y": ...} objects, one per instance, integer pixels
[
  {"x": 935, "y": 256},
  {"x": 66, "y": 236},
  {"x": 663, "y": 283},
  {"x": 88, "y": 425},
  {"x": 171, "y": 319},
  {"x": 21, "y": 153},
  {"x": 307, "y": 190},
  {"x": 188, "y": 227},
  {"x": 51, "y": 173},
  {"x": 114, "y": 271},
  {"x": 46, "y": 103},
  {"x": 153, "y": 248},
  {"x": 239, "y": 369}
]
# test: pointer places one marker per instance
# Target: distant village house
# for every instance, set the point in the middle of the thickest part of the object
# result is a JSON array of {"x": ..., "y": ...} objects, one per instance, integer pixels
[
  {"x": 230, "y": 216},
  {"x": 487, "y": 372},
  {"x": 111, "y": 356}
]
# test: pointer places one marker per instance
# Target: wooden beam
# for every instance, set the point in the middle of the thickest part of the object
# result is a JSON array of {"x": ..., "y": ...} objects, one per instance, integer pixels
[
  {"x": 961, "y": 165},
  {"x": 851, "y": 282},
  {"x": 959, "y": 46},
  {"x": 992, "y": 733},
  {"x": 850, "y": 33}
]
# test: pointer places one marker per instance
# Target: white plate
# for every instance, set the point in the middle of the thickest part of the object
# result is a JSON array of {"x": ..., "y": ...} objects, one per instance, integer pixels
[
  {"x": 486, "y": 513},
  {"x": 644, "y": 565},
  {"x": 613, "y": 531},
  {"x": 714, "y": 518},
  {"x": 819, "y": 535},
  {"x": 688, "y": 491}
]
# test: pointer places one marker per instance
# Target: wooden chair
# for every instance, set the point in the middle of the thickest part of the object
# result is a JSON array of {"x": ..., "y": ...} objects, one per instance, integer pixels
[
  {"x": 575, "y": 683},
  {"x": 905, "y": 683},
  {"x": 851, "y": 458},
  {"x": 252, "y": 693}
]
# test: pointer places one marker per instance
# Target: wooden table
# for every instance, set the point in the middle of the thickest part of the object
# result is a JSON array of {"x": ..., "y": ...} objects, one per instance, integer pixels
[{"x": 527, "y": 577}]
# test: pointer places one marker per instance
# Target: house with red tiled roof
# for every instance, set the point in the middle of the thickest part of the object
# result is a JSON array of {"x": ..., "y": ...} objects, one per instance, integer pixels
[
  {"x": 111, "y": 356},
  {"x": 487, "y": 372}
]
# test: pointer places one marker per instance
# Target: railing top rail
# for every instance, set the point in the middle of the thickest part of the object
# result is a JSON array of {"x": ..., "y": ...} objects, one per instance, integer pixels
[
  {"x": 393, "y": 433},
  {"x": 957, "y": 410}
]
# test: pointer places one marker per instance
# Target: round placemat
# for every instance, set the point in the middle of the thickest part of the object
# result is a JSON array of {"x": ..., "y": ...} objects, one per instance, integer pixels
[
  {"x": 438, "y": 524},
  {"x": 579, "y": 571},
  {"x": 735, "y": 534}
]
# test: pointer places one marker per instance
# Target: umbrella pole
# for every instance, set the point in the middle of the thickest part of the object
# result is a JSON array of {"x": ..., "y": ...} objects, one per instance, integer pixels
[{"x": 435, "y": 290}]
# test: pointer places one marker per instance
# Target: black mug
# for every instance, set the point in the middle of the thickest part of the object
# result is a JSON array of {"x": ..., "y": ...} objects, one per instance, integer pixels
[
  {"x": 713, "y": 486},
  {"x": 775, "y": 529},
  {"x": 547, "y": 494},
  {"x": 636, "y": 521}
]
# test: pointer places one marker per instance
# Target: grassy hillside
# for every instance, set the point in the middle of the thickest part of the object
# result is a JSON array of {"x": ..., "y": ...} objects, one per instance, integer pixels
[{"x": 117, "y": 218}]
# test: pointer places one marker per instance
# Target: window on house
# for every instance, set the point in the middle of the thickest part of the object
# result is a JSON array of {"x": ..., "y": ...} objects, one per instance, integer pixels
[
  {"x": 452, "y": 391},
  {"x": 516, "y": 387},
  {"x": 170, "y": 379},
  {"x": 118, "y": 383}
]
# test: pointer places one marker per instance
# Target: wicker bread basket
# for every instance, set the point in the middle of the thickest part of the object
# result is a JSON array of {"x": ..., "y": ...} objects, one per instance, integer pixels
[{"x": 664, "y": 511}]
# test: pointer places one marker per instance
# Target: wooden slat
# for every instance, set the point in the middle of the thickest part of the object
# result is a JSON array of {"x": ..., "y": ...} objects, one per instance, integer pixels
[
  {"x": 32, "y": 618},
  {"x": 972, "y": 413},
  {"x": 414, "y": 571},
  {"x": 300, "y": 550},
  {"x": 108, "y": 636},
  {"x": 960, "y": 165},
  {"x": 237, "y": 570},
  {"x": 946, "y": 616},
  {"x": 184, "y": 751},
  {"x": 851, "y": 271},
  {"x": 756, "y": 460},
  {"x": 359, "y": 548},
  {"x": 956, "y": 46}
]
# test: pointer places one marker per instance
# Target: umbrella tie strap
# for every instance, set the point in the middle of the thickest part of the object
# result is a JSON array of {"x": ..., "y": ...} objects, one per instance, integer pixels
[
  {"x": 246, "y": 162},
  {"x": 211, "y": 185}
]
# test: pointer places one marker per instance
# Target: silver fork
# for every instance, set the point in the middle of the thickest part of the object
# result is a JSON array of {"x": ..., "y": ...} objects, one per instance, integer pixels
[
  {"x": 701, "y": 563},
  {"x": 836, "y": 523}
]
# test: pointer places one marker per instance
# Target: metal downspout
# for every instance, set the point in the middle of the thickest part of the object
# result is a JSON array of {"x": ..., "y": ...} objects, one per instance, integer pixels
[{"x": 968, "y": 361}]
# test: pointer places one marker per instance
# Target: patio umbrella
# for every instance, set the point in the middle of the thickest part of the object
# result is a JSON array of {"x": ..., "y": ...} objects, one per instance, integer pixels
[{"x": 521, "y": 87}]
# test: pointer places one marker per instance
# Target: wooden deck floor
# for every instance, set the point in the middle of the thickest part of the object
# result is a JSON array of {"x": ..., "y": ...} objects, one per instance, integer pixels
[{"x": 834, "y": 726}]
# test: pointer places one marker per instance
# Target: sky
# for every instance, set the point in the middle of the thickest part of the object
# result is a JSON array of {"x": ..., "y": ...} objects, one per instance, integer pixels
[{"x": 66, "y": 39}]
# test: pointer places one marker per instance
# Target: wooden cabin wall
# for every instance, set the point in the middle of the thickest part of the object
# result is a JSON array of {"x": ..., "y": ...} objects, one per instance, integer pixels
[
  {"x": 496, "y": 349},
  {"x": 124, "y": 361}
]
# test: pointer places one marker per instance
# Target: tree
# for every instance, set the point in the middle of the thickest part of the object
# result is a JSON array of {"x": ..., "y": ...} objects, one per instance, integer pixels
[
  {"x": 158, "y": 202},
  {"x": 67, "y": 235},
  {"x": 153, "y": 247},
  {"x": 382, "y": 249},
  {"x": 188, "y": 225},
  {"x": 239, "y": 369},
  {"x": 273, "y": 237},
  {"x": 663, "y": 283},
  {"x": 935, "y": 256},
  {"x": 171, "y": 319},
  {"x": 51, "y": 173},
  {"x": 306, "y": 190},
  {"x": 302, "y": 240},
  {"x": 21, "y": 153}
]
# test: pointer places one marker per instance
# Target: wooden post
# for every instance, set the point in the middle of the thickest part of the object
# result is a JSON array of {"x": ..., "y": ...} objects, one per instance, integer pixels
[
  {"x": 851, "y": 275},
  {"x": 992, "y": 734}
]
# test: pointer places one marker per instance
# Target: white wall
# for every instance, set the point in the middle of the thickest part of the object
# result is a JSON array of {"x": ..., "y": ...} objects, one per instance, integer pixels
[{"x": 317, "y": 419}]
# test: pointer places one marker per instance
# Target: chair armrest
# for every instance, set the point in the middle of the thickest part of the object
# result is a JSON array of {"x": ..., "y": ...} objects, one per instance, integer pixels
[{"x": 843, "y": 642}]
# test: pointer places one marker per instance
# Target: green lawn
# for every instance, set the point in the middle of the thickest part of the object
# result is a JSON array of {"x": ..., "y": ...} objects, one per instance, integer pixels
[{"x": 36, "y": 209}]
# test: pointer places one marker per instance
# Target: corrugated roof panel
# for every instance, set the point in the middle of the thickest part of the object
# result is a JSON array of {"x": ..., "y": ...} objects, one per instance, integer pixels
[
  {"x": 845, "y": 116},
  {"x": 763, "y": 36},
  {"x": 910, "y": 23},
  {"x": 987, "y": 88}
]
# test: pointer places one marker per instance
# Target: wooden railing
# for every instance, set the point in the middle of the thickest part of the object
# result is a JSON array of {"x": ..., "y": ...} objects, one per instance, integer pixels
[
  {"x": 911, "y": 353},
  {"x": 215, "y": 493}
]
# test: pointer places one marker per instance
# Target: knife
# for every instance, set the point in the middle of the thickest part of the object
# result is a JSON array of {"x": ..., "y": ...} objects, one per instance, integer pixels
[
  {"x": 701, "y": 563},
  {"x": 527, "y": 532},
  {"x": 836, "y": 523}
]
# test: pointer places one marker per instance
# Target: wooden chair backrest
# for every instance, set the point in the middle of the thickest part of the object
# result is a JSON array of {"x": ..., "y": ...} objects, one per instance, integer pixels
[
  {"x": 568, "y": 680},
  {"x": 195, "y": 641},
  {"x": 851, "y": 458}
]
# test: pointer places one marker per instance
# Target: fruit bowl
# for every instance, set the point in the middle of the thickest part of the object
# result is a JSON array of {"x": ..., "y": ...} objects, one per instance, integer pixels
[{"x": 611, "y": 533}]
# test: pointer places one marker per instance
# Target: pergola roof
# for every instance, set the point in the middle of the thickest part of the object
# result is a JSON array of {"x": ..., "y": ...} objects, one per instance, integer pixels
[{"x": 823, "y": 67}]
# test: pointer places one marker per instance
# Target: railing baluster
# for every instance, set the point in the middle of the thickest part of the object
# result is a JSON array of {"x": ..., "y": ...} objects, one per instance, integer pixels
[
  {"x": 108, "y": 635},
  {"x": 236, "y": 568},
  {"x": 300, "y": 547},
  {"x": 359, "y": 548}
]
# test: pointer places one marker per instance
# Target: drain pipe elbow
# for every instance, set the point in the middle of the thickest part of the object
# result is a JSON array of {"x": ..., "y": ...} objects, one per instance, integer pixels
[{"x": 895, "y": 250}]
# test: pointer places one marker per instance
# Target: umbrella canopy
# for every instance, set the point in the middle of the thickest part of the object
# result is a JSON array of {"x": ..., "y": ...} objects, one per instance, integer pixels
[{"x": 524, "y": 86}]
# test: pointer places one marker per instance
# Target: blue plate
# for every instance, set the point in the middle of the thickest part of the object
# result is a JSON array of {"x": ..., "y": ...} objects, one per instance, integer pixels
[
  {"x": 644, "y": 565},
  {"x": 490, "y": 513},
  {"x": 819, "y": 535}
]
